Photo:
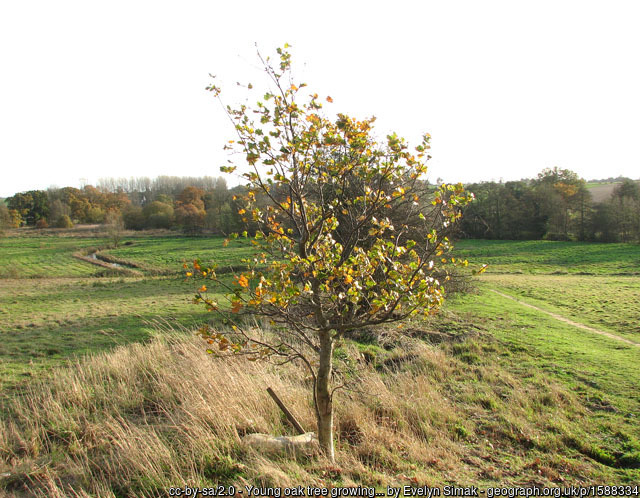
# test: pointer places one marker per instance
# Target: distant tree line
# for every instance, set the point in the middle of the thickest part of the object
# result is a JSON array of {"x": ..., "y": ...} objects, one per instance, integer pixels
[
  {"x": 557, "y": 205},
  {"x": 191, "y": 204}
]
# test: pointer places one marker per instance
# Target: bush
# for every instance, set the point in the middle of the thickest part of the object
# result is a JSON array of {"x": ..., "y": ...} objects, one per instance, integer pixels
[
  {"x": 95, "y": 215},
  {"x": 64, "y": 222},
  {"x": 133, "y": 218},
  {"x": 158, "y": 215},
  {"x": 42, "y": 223}
]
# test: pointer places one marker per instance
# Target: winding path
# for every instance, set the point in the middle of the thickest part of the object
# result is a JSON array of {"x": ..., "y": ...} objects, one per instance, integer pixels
[{"x": 570, "y": 322}]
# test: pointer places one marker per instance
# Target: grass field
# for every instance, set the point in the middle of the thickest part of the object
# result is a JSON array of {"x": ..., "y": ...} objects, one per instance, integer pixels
[
  {"x": 55, "y": 306},
  {"x": 47, "y": 321},
  {"x": 488, "y": 392},
  {"x": 44, "y": 257},
  {"x": 610, "y": 303},
  {"x": 601, "y": 191},
  {"x": 551, "y": 257},
  {"x": 592, "y": 284},
  {"x": 33, "y": 255},
  {"x": 601, "y": 372},
  {"x": 168, "y": 253}
]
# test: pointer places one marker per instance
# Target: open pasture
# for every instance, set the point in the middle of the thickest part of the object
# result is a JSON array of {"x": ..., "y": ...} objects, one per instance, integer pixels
[
  {"x": 166, "y": 254},
  {"x": 528, "y": 399},
  {"x": 600, "y": 372},
  {"x": 45, "y": 322},
  {"x": 593, "y": 284},
  {"x": 610, "y": 303},
  {"x": 36, "y": 255},
  {"x": 552, "y": 257},
  {"x": 54, "y": 306},
  {"x": 39, "y": 256}
]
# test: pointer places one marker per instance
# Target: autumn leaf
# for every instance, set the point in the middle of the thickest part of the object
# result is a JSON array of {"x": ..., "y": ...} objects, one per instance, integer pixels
[
  {"x": 482, "y": 269},
  {"x": 243, "y": 282}
]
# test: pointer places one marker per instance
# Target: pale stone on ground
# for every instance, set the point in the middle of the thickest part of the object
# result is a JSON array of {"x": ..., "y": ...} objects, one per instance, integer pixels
[{"x": 302, "y": 445}]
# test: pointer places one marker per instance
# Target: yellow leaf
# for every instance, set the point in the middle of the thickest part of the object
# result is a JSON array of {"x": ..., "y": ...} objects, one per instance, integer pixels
[
  {"x": 203, "y": 289},
  {"x": 243, "y": 282}
]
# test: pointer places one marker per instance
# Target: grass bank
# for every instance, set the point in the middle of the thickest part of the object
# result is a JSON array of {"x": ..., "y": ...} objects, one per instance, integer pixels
[{"x": 442, "y": 406}]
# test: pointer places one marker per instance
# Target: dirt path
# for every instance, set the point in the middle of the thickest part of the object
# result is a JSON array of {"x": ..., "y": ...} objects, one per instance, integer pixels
[{"x": 566, "y": 320}]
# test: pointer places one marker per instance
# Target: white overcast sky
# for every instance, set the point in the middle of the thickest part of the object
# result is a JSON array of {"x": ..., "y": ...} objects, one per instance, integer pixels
[{"x": 506, "y": 88}]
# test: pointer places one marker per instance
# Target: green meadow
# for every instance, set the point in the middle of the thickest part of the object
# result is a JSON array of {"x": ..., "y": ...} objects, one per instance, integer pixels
[
  {"x": 54, "y": 306},
  {"x": 551, "y": 257},
  {"x": 488, "y": 391}
]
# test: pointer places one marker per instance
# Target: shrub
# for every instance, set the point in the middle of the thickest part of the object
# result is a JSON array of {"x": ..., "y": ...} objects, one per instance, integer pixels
[{"x": 64, "y": 222}]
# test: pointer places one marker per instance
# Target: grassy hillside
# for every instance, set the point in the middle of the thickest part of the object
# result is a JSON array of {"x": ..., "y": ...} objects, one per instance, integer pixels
[
  {"x": 601, "y": 191},
  {"x": 144, "y": 418},
  {"x": 54, "y": 306},
  {"x": 593, "y": 284},
  {"x": 105, "y": 391},
  {"x": 45, "y": 322}
]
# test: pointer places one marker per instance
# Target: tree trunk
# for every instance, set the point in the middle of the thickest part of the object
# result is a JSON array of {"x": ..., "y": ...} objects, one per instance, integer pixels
[{"x": 323, "y": 396}]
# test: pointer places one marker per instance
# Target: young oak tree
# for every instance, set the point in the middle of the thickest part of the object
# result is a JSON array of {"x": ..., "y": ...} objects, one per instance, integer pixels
[{"x": 343, "y": 239}]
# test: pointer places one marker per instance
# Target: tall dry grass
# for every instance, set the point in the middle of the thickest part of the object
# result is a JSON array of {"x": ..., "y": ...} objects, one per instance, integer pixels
[{"x": 135, "y": 421}]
